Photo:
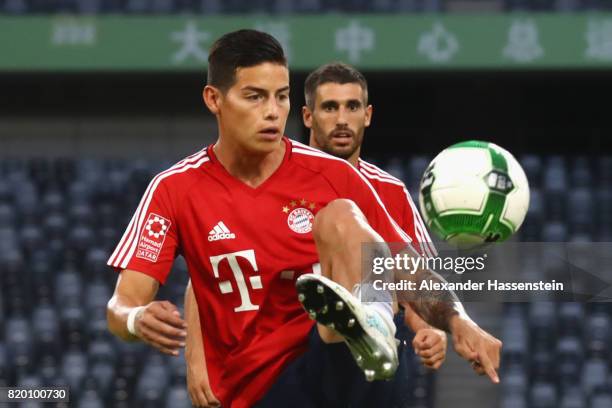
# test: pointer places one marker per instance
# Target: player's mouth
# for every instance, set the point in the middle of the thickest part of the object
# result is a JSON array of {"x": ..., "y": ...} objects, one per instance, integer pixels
[
  {"x": 270, "y": 133},
  {"x": 342, "y": 137}
]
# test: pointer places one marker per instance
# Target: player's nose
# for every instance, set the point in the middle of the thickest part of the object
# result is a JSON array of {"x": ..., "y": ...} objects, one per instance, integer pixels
[{"x": 272, "y": 109}]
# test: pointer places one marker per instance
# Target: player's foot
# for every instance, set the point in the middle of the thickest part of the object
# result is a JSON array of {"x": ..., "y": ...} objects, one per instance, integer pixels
[{"x": 368, "y": 334}]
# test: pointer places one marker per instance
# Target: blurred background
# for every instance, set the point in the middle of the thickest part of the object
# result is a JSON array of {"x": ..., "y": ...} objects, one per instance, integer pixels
[{"x": 97, "y": 96}]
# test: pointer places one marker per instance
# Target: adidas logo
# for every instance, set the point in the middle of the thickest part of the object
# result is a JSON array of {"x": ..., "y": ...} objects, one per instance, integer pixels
[{"x": 220, "y": 232}]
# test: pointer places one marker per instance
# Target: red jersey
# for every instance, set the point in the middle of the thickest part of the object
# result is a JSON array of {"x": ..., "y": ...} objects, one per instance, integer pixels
[
  {"x": 244, "y": 248},
  {"x": 393, "y": 193}
]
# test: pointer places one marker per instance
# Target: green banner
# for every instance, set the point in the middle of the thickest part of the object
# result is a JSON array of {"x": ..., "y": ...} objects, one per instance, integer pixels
[{"x": 180, "y": 43}]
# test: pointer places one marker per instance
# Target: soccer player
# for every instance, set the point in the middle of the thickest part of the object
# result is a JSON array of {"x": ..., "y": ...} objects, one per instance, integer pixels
[
  {"x": 337, "y": 113},
  {"x": 254, "y": 215}
]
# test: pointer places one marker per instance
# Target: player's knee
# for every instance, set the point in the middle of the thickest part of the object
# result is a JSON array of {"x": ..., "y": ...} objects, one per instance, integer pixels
[{"x": 336, "y": 218}]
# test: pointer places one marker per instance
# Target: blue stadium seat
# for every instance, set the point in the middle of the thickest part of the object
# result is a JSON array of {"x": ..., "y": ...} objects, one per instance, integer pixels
[
  {"x": 74, "y": 369},
  {"x": 5, "y": 368},
  {"x": 532, "y": 164},
  {"x": 162, "y": 6},
  {"x": 16, "y": 6},
  {"x": 91, "y": 399},
  {"x": 542, "y": 364},
  {"x": 177, "y": 397},
  {"x": 601, "y": 400},
  {"x": 103, "y": 374},
  {"x": 515, "y": 381},
  {"x": 597, "y": 336},
  {"x": 542, "y": 322},
  {"x": 571, "y": 317},
  {"x": 69, "y": 287},
  {"x": 567, "y": 5},
  {"x": 580, "y": 209},
  {"x": 573, "y": 397},
  {"x": 31, "y": 238},
  {"x": 18, "y": 337},
  {"x": 543, "y": 395},
  {"x": 570, "y": 355},
  {"x": 513, "y": 401},
  {"x": 45, "y": 326},
  {"x": 594, "y": 374},
  {"x": 417, "y": 166},
  {"x": 7, "y": 215},
  {"x": 79, "y": 191},
  {"x": 81, "y": 213},
  {"x": 605, "y": 171},
  {"x": 210, "y": 6},
  {"x": 53, "y": 202},
  {"x": 555, "y": 231},
  {"x": 395, "y": 167}
]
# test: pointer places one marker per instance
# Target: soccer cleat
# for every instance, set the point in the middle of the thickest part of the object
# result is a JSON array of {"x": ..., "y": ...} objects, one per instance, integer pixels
[{"x": 368, "y": 334}]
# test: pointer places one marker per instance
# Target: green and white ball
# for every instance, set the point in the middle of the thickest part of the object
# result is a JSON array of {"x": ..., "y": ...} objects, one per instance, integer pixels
[{"x": 474, "y": 192}]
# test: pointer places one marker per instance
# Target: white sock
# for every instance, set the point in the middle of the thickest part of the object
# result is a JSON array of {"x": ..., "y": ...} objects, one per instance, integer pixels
[{"x": 383, "y": 301}]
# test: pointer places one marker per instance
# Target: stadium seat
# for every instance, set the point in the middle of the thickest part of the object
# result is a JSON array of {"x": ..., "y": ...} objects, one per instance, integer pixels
[
  {"x": 31, "y": 238},
  {"x": 417, "y": 166},
  {"x": 91, "y": 399},
  {"x": 16, "y": 6},
  {"x": 571, "y": 318},
  {"x": 18, "y": 337},
  {"x": 513, "y": 401},
  {"x": 532, "y": 164},
  {"x": 74, "y": 369},
  {"x": 7, "y": 215},
  {"x": 103, "y": 374},
  {"x": 555, "y": 231},
  {"x": 542, "y": 323},
  {"x": 543, "y": 395},
  {"x": 5, "y": 368},
  {"x": 210, "y": 6},
  {"x": 569, "y": 357},
  {"x": 594, "y": 374},
  {"x": 580, "y": 209},
  {"x": 177, "y": 397},
  {"x": 601, "y": 400},
  {"x": 597, "y": 335},
  {"x": 45, "y": 326}
]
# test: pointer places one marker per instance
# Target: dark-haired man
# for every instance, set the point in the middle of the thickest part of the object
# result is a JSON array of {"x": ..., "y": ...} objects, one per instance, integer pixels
[
  {"x": 254, "y": 215},
  {"x": 337, "y": 113}
]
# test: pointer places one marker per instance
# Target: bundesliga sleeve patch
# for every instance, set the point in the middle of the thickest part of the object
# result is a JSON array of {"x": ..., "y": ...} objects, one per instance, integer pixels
[{"x": 152, "y": 237}]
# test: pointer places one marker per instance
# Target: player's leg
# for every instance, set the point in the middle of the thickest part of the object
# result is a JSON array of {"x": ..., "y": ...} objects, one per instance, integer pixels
[{"x": 340, "y": 230}]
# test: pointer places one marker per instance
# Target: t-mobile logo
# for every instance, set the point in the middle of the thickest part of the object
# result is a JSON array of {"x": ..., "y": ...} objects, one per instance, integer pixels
[{"x": 227, "y": 287}]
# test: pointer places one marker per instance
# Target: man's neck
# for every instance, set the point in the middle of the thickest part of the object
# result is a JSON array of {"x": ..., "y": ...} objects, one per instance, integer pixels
[{"x": 251, "y": 169}]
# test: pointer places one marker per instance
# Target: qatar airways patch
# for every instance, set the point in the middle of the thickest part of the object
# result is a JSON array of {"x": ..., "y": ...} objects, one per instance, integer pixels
[{"x": 152, "y": 237}]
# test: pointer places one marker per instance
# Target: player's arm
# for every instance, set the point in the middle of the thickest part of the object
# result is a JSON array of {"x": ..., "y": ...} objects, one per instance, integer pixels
[
  {"x": 197, "y": 373},
  {"x": 132, "y": 314},
  {"x": 440, "y": 308},
  {"x": 429, "y": 343}
]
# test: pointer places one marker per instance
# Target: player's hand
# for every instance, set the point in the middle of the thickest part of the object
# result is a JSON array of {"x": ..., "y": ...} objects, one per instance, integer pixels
[
  {"x": 198, "y": 386},
  {"x": 477, "y": 346},
  {"x": 430, "y": 345},
  {"x": 160, "y": 325}
]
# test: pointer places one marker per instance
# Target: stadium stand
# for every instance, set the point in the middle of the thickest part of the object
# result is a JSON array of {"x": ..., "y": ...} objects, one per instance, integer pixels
[
  {"x": 60, "y": 218},
  {"x": 17, "y": 7}
]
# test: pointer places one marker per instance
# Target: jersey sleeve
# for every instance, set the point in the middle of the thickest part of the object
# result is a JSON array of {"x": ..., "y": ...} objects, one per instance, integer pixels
[
  {"x": 149, "y": 244},
  {"x": 412, "y": 223}
]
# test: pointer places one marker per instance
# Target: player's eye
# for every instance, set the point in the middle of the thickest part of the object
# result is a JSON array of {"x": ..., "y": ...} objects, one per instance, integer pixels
[
  {"x": 283, "y": 97},
  {"x": 254, "y": 97},
  {"x": 354, "y": 107}
]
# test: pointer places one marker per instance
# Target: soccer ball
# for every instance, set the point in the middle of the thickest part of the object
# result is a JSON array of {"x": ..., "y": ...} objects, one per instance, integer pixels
[{"x": 474, "y": 192}]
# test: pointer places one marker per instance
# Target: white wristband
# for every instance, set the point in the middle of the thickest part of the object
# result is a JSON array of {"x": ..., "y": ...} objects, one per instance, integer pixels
[{"x": 131, "y": 320}]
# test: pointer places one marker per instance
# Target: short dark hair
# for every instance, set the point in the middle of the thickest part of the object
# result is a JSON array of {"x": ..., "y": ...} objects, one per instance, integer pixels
[
  {"x": 241, "y": 49},
  {"x": 335, "y": 72}
]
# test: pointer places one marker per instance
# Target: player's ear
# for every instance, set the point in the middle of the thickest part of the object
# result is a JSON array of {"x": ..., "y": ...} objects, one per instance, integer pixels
[
  {"x": 368, "y": 115},
  {"x": 212, "y": 97},
  {"x": 307, "y": 116}
]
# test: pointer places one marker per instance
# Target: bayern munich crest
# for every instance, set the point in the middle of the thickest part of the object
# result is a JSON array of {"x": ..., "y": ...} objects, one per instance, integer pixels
[{"x": 300, "y": 220}]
